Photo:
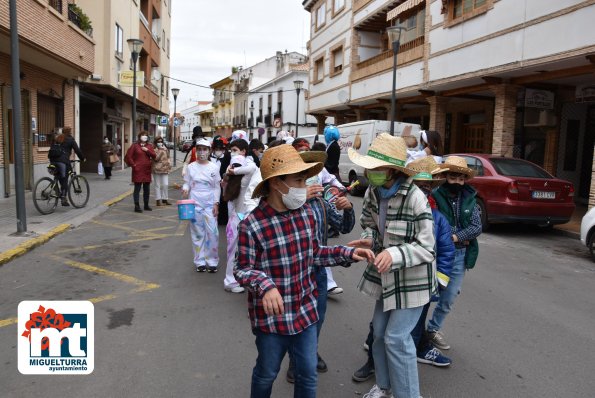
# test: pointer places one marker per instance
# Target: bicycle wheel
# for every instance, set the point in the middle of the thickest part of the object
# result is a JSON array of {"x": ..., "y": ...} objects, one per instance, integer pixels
[
  {"x": 45, "y": 195},
  {"x": 78, "y": 191}
]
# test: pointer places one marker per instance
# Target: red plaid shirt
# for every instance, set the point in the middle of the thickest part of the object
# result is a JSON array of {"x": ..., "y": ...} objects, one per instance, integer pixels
[{"x": 280, "y": 250}]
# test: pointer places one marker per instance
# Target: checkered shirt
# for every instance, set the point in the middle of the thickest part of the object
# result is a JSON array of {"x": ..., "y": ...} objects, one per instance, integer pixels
[
  {"x": 280, "y": 249},
  {"x": 409, "y": 238}
]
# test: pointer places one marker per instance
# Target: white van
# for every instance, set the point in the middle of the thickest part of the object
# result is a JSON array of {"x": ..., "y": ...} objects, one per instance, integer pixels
[
  {"x": 314, "y": 138},
  {"x": 359, "y": 136}
]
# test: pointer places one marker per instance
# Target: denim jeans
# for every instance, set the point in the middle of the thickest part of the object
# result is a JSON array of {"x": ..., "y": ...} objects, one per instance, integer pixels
[
  {"x": 417, "y": 334},
  {"x": 450, "y": 293},
  {"x": 62, "y": 177},
  {"x": 271, "y": 350},
  {"x": 321, "y": 282},
  {"x": 395, "y": 358}
]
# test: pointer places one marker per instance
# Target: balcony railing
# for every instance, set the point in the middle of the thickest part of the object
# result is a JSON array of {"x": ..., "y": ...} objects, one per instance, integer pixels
[
  {"x": 377, "y": 58},
  {"x": 56, "y": 4},
  {"x": 75, "y": 18}
]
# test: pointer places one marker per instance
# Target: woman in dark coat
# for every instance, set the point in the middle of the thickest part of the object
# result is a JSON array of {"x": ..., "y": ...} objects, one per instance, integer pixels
[
  {"x": 107, "y": 149},
  {"x": 140, "y": 157}
]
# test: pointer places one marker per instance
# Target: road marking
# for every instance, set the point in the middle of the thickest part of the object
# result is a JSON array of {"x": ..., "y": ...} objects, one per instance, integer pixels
[
  {"x": 117, "y": 199},
  {"x": 7, "y": 322},
  {"x": 31, "y": 243},
  {"x": 181, "y": 228}
]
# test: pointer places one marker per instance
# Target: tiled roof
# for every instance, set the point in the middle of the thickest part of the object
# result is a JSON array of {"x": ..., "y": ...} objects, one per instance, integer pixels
[{"x": 300, "y": 67}]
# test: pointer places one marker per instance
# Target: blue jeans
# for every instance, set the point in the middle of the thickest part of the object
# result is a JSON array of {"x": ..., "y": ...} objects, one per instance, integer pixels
[
  {"x": 395, "y": 358},
  {"x": 322, "y": 283},
  {"x": 271, "y": 350},
  {"x": 418, "y": 332},
  {"x": 63, "y": 170},
  {"x": 450, "y": 293}
]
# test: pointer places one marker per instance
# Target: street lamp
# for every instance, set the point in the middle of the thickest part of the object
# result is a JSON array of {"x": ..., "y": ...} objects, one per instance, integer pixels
[
  {"x": 298, "y": 86},
  {"x": 135, "y": 46},
  {"x": 251, "y": 117},
  {"x": 394, "y": 35},
  {"x": 175, "y": 92}
]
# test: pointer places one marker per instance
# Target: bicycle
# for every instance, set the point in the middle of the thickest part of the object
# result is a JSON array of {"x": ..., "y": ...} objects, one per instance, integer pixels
[{"x": 46, "y": 192}]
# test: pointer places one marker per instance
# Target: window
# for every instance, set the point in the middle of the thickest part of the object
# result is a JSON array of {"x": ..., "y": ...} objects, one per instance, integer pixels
[
  {"x": 119, "y": 41},
  {"x": 163, "y": 38},
  {"x": 49, "y": 117},
  {"x": 167, "y": 48},
  {"x": 518, "y": 168},
  {"x": 319, "y": 70},
  {"x": 414, "y": 24},
  {"x": 167, "y": 89},
  {"x": 336, "y": 60},
  {"x": 321, "y": 16},
  {"x": 338, "y": 6},
  {"x": 460, "y": 10}
]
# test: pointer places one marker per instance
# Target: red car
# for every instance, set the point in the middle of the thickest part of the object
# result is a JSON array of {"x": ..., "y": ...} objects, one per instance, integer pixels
[{"x": 515, "y": 190}]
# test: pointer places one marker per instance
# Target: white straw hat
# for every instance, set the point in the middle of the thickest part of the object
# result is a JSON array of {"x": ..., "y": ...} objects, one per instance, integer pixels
[{"x": 385, "y": 151}]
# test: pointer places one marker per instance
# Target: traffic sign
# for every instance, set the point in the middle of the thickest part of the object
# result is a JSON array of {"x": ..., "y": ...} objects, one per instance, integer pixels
[
  {"x": 162, "y": 120},
  {"x": 176, "y": 122}
]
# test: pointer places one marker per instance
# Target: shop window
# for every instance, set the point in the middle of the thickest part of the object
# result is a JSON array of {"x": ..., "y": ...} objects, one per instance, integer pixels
[
  {"x": 320, "y": 16},
  {"x": 319, "y": 70},
  {"x": 461, "y": 10},
  {"x": 336, "y": 60}
]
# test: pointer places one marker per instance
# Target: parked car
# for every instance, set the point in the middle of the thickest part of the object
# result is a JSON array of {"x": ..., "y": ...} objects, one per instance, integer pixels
[
  {"x": 588, "y": 231},
  {"x": 168, "y": 144},
  {"x": 516, "y": 190},
  {"x": 185, "y": 145}
]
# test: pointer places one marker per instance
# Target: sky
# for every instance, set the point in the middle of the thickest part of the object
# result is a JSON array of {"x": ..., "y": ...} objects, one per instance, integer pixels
[{"x": 209, "y": 37}]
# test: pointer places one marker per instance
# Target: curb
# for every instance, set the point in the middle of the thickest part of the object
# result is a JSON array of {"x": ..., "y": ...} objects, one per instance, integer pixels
[
  {"x": 32, "y": 243},
  {"x": 567, "y": 233},
  {"x": 118, "y": 198}
]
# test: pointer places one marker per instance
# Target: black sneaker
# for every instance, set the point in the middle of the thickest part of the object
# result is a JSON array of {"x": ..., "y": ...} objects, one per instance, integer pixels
[
  {"x": 65, "y": 202},
  {"x": 364, "y": 373},
  {"x": 137, "y": 209},
  {"x": 201, "y": 268},
  {"x": 211, "y": 270},
  {"x": 321, "y": 365},
  {"x": 147, "y": 208}
]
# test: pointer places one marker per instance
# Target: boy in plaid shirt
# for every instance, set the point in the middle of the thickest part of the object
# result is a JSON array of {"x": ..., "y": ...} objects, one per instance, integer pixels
[{"x": 276, "y": 260}]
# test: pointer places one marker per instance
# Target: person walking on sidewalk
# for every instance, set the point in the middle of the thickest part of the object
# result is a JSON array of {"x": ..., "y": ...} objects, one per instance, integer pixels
[
  {"x": 107, "y": 150},
  {"x": 456, "y": 200},
  {"x": 202, "y": 184},
  {"x": 161, "y": 169},
  {"x": 398, "y": 226},
  {"x": 276, "y": 261},
  {"x": 140, "y": 157},
  {"x": 59, "y": 155}
]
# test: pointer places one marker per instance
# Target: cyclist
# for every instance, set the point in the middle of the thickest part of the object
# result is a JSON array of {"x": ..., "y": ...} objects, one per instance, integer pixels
[{"x": 59, "y": 155}]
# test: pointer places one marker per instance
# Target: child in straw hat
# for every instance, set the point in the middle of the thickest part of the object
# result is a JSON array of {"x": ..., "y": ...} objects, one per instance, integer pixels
[
  {"x": 276, "y": 261},
  {"x": 398, "y": 226},
  {"x": 456, "y": 200}
]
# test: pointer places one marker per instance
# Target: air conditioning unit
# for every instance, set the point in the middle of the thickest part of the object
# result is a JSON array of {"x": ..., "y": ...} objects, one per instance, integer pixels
[{"x": 535, "y": 117}]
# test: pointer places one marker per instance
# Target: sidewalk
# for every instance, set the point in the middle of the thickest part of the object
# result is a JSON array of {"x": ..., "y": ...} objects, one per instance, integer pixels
[
  {"x": 572, "y": 228},
  {"x": 41, "y": 228}
]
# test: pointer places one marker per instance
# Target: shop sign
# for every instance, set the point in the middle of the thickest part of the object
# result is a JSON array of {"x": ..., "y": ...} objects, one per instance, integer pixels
[
  {"x": 125, "y": 78},
  {"x": 540, "y": 99}
]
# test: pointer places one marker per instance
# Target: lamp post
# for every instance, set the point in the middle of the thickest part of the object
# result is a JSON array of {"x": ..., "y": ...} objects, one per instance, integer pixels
[
  {"x": 251, "y": 117},
  {"x": 394, "y": 35},
  {"x": 175, "y": 92},
  {"x": 298, "y": 87},
  {"x": 135, "y": 46}
]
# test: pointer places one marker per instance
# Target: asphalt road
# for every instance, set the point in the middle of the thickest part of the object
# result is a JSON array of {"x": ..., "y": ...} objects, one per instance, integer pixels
[{"x": 523, "y": 326}]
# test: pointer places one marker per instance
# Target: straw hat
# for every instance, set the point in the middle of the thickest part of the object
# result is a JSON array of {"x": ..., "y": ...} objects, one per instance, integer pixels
[
  {"x": 457, "y": 164},
  {"x": 385, "y": 151},
  {"x": 426, "y": 168},
  {"x": 313, "y": 156},
  {"x": 283, "y": 160}
]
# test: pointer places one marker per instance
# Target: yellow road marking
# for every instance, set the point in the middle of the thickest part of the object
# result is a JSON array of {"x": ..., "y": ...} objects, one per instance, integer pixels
[
  {"x": 31, "y": 243},
  {"x": 7, "y": 322},
  {"x": 117, "y": 199},
  {"x": 121, "y": 242},
  {"x": 181, "y": 228},
  {"x": 157, "y": 229}
]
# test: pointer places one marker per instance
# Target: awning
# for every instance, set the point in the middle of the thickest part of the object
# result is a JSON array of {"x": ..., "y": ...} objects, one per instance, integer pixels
[{"x": 409, "y": 4}]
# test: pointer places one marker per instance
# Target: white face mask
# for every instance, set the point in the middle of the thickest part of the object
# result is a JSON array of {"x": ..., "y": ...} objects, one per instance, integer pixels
[
  {"x": 202, "y": 155},
  {"x": 160, "y": 145},
  {"x": 218, "y": 154},
  {"x": 295, "y": 198},
  {"x": 144, "y": 138},
  {"x": 106, "y": 141},
  {"x": 260, "y": 155}
]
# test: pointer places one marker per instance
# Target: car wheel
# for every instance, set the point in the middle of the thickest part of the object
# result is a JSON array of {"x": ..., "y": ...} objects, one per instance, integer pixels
[
  {"x": 359, "y": 189},
  {"x": 591, "y": 245},
  {"x": 485, "y": 225}
]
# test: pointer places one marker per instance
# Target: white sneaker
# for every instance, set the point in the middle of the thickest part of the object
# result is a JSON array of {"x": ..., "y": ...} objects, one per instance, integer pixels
[
  {"x": 235, "y": 289},
  {"x": 335, "y": 290},
  {"x": 377, "y": 392}
]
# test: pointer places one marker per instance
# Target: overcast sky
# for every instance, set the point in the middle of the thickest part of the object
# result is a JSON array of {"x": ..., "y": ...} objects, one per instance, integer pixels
[{"x": 209, "y": 37}]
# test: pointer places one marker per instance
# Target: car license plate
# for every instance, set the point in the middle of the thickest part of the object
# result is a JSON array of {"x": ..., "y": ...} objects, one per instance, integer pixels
[{"x": 543, "y": 195}]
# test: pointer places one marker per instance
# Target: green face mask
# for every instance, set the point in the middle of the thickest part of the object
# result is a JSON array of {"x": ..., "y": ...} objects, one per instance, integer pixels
[{"x": 377, "y": 178}]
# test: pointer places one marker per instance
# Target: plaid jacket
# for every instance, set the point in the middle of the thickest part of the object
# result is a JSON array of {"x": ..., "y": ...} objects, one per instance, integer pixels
[
  {"x": 409, "y": 238},
  {"x": 280, "y": 249}
]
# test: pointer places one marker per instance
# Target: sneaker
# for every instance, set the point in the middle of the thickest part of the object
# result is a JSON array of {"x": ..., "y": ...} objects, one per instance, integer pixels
[
  {"x": 433, "y": 356},
  {"x": 65, "y": 203},
  {"x": 201, "y": 268},
  {"x": 377, "y": 392},
  {"x": 235, "y": 289},
  {"x": 364, "y": 373},
  {"x": 321, "y": 365},
  {"x": 148, "y": 208},
  {"x": 212, "y": 270},
  {"x": 437, "y": 340},
  {"x": 335, "y": 290}
]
